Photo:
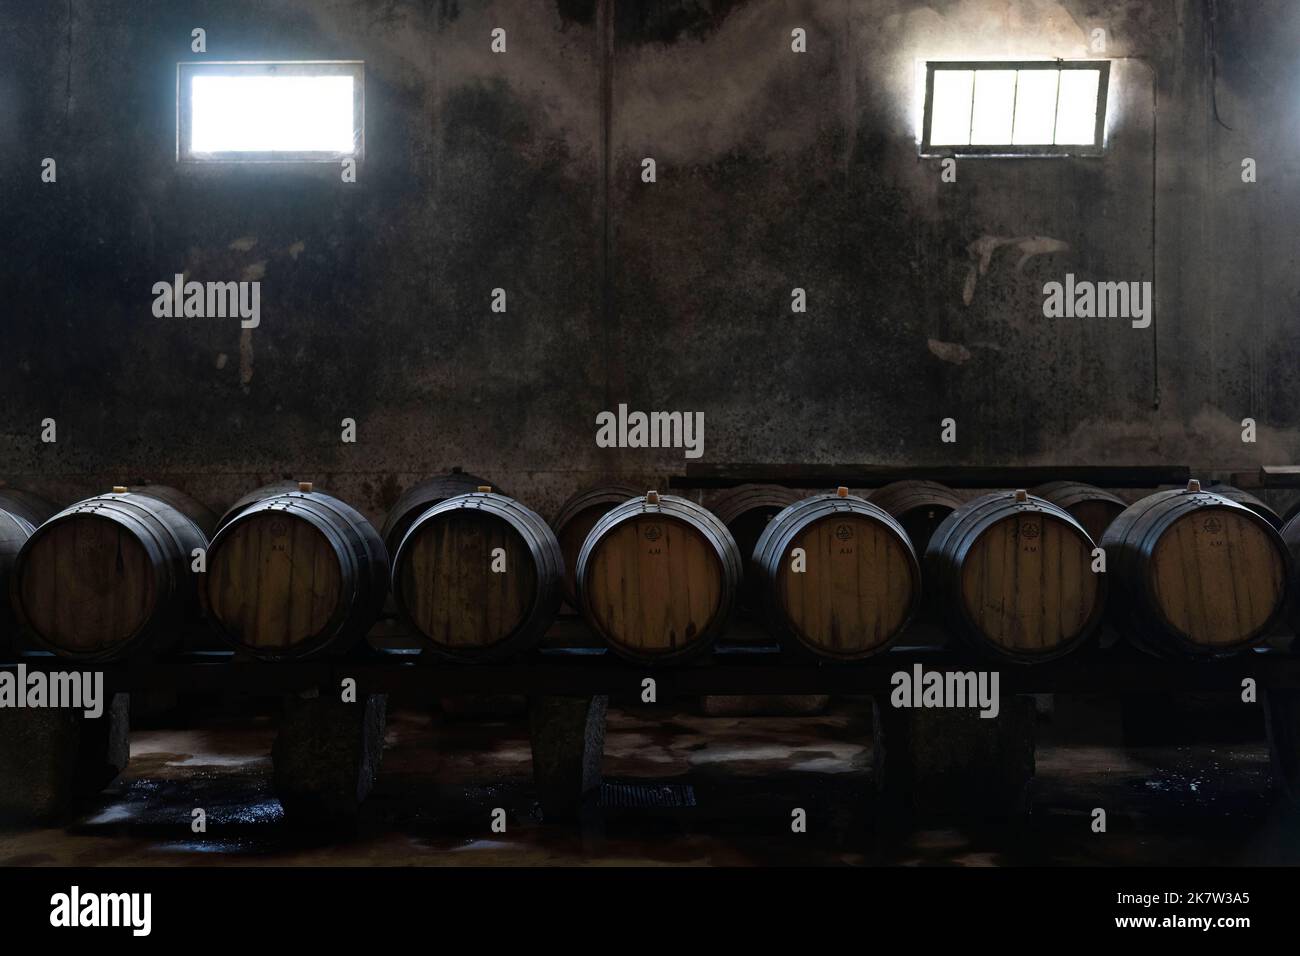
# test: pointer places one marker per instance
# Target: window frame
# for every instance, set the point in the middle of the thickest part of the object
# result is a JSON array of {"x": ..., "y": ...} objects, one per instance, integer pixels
[
  {"x": 1009, "y": 150},
  {"x": 187, "y": 70}
]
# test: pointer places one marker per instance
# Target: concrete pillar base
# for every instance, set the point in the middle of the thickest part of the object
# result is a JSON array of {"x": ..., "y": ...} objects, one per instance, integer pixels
[
  {"x": 952, "y": 762},
  {"x": 326, "y": 756},
  {"x": 52, "y": 760},
  {"x": 568, "y": 740}
]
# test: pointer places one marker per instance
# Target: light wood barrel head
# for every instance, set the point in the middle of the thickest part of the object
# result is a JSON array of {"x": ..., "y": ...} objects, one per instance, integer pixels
[
  {"x": 653, "y": 584},
  {"x": 274, "y": 581},
  {"x": 448, "y": 585},
  {"x": 1217, "y": 577},
  {"x": 858, "y": 589},
  {"x": 1027, "y": 583},
  {"x": 86, "y": 584}
]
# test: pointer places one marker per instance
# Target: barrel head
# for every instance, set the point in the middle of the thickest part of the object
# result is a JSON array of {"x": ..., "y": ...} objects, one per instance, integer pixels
[
  {"x": 857, "y": 590},
  {"x": 457, "y": 589},
  {"x": 1217, "y": 577},
  {"x": 653, "y": 586},
  {"x": 1027, "y": 586},
  {"x": 275, "y": 583},
  {"x": 85, "y": 585}
]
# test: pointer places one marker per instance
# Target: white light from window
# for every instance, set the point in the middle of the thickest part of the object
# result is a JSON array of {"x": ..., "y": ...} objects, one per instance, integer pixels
[
  {"x": 1035, "y": 107},
  {"x": 995, "y": 100},
  {"x": 997, "y": 106},
  {"x": 950, "y": 116},
  {"x": 297, "y": 114},
  {"x": 1076, "y": 111}
]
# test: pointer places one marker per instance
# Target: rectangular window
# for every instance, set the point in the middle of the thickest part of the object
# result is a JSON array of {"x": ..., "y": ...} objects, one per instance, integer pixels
[
  {"x": 270, "y": 112},
  {"x": 1021, "y": 108}
]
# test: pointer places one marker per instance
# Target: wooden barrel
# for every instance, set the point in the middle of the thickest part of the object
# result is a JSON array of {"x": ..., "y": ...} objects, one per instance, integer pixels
[
  {"x": 1246, "y": 499},
  {"x": 1195, "y": 574},
  {"x": 419, "y": 498},
  {"x": 574, "y": 521},
  {"x": 112, "y": 575},
  {"x": 33, "y": 509},
  {"x": 919, "y": 506},
  {"x": 746, "y": 511},
  {"x": 860, "y": 581},
  {"x": 478, "y": 576},
  {"x": 657, "y": 578},
  {"x": 1094, "y": 508},
  {"x": 295, "y": 574},
  {"x": 1291, "y": 512},
  {"x": 1291, "y": 538},
  {"x": 14, "y": 532},
  {"x": 1014, "y": 573}
]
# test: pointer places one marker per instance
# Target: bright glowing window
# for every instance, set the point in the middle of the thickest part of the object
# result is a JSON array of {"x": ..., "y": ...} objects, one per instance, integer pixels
[
  {"x": 300, "y": 111},
  {"x": 1023, "y": 108}
]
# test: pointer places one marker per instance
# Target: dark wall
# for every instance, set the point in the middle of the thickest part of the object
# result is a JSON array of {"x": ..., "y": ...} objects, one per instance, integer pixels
[{"x": 522, "y": 171}]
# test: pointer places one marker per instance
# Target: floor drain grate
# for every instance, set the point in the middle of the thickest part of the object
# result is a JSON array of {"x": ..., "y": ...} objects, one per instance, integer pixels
[{"x": 646, "y": 796}]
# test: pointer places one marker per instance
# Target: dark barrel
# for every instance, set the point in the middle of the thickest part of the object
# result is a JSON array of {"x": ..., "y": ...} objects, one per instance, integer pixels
[
  {"x": 1094, "y": 508},
  {"x": 420, "y": 497},
  {"x": 574, "y": 521},
  {"x": 919, "y": 506},
  {"x": 1291, "y": 538},
  {"x": 1195, "y": 574},
  {"x": 113, "y": 575},
  {"x": 14, "y": 532},
  {"x": 1014, "y": 575},
  {"x": 1246, "y": 499},
  {"x": 294, "y": 574},
  {"x": 839, "y": 575},
  {"x": 657, "y": 578},
  {"x": 746, "y": 511},
  {"x": 478, "y": 576},
  {"x": 33, "y": 509}
]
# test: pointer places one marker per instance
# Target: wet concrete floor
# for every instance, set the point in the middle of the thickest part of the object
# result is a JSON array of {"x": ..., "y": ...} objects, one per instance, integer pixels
[{"x": 1179, "y": 803}]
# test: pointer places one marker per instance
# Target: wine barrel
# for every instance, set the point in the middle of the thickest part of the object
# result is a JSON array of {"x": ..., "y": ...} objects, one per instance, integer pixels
[
  {"x": 261, "y": 493},
  {"x": 419, "y": 498},
  {"x": 1248, "y": 500},
  {"x": 746, "y": 511},
  {"x": 657, "y": 578},
  {"x": 112, "y": 575},
  {"x": 574, "y": 521},
  {"x": 1015, "y": 576},
  {"x": 1291, "y": 512},
  {"x": 1291, "y": 538},
  {"x": 14, "y": 532},
  {"x": 478, "y": 576},
  {"x": 1094, "y": 508},
  {"x": 919, "y": 506},
  {"x": 860, "y": 583},
  {"x": 295, "y": 574},
  {"x": 33, "y": 509},
  {"x": 1196, "y": 575}
]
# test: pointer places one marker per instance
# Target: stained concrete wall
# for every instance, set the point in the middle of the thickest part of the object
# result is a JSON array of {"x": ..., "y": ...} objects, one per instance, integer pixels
[{"x": 522, "y": 171}]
